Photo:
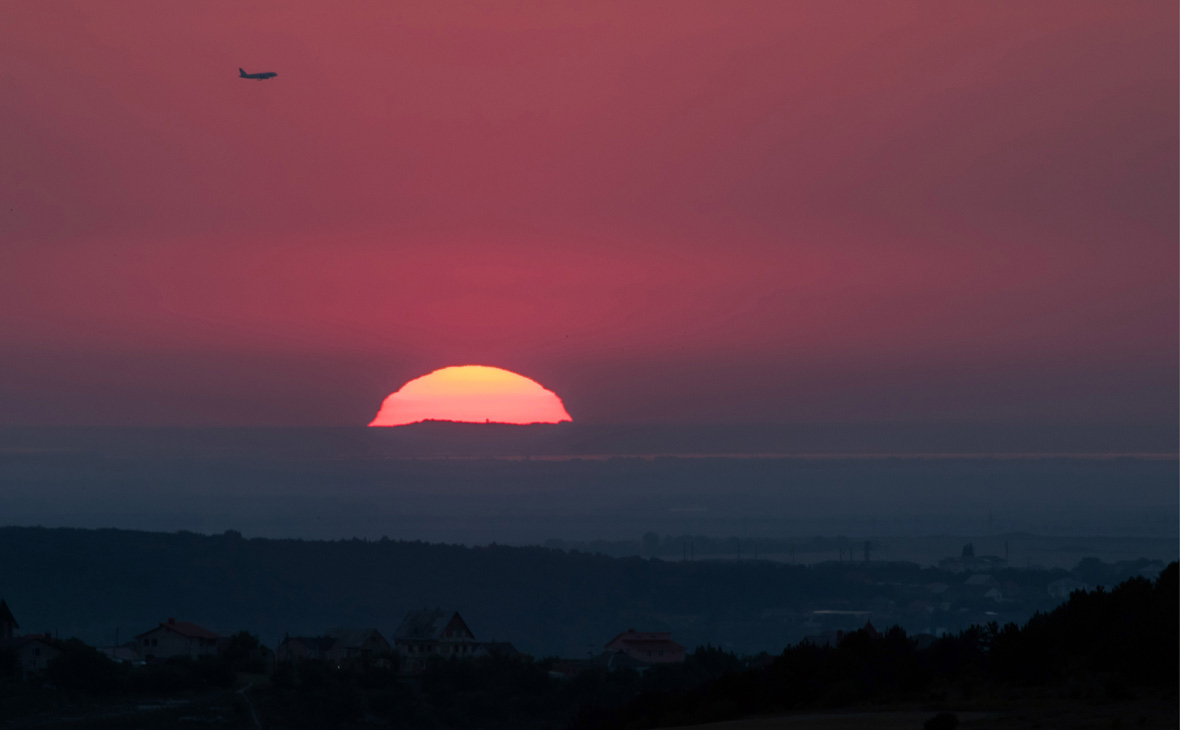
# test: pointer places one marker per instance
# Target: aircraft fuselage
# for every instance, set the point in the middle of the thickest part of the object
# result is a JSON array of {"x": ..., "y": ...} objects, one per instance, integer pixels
[{"x": 258, "y": 76}]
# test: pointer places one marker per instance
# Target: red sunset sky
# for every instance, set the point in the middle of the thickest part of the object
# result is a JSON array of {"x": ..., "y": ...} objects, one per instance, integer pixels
[{"x": 663, "y": 211}]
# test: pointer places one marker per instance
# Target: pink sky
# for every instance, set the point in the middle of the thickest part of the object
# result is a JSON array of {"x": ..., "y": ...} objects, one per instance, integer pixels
[{"x": 664, "y": 212}]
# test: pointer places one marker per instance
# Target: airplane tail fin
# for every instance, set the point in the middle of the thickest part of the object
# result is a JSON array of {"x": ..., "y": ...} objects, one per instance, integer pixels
[{"x": 241, "y": 72}]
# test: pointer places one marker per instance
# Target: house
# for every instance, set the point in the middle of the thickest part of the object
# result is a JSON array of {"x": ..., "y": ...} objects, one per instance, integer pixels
[
  {"x": 833, "y": 638},
  {"x": 8, "y": 624},
  {"x": 610, "y": 661},
  {"x": 426, "y": 633},
  {"x": 826, "y": 638},
  {"x": 300, "y": 648},
  {"x": 355, "y": 646},
  {"x": 33, "y": 652},
  {"x": 176, "y": 639},
  {"x": 339, "y": 647},
  {"x": 649, "y": 647}
]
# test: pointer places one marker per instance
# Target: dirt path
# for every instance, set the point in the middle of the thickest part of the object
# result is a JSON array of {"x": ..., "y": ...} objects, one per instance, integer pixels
[{"x": 250, "y": 704}]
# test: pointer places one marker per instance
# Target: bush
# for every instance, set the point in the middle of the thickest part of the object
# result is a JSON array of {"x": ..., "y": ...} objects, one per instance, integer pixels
[
  {"x": 84, "y": 668},
  {"x": 244, "y": 652},
  {"x": 9, "y": 665}
]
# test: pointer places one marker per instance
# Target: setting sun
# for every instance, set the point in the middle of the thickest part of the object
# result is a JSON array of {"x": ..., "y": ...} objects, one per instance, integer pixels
[{"x": 471, "y": 394}]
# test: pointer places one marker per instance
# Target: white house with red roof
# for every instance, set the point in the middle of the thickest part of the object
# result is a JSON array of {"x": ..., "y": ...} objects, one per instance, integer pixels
[
  {"x": 176, "y": 639},
  {"x": 33, "y": 652},
  {"x": 649, "y": 647}
]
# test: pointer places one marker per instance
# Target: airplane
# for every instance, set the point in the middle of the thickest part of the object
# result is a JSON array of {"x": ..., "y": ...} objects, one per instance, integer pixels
[{"x": 260, "y": 76}]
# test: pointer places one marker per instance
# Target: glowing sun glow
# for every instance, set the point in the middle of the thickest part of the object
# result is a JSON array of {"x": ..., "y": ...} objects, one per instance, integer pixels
[{"x": 471, "y": 394}]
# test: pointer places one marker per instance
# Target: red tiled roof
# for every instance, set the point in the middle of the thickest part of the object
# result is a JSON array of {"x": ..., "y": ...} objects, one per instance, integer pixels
[
  {"x": 632, "y": 637},
  {"x": 190, "y": 630},
  {"x": 186, "y": 629},
  {"x": 655, "y": 645}
]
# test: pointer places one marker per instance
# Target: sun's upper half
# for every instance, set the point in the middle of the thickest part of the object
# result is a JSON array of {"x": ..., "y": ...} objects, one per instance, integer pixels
[{"x": 471, "y": 394}]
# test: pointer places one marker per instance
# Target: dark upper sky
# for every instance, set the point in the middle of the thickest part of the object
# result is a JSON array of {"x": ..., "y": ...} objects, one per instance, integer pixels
[{"x": 663, "y": 211}]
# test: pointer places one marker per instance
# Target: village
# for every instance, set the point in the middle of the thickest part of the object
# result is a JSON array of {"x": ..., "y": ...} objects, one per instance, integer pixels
[
  {"x": 969, "y": 590},
  {"x": 422, "y": 636},
  {"x": 434, "y": 671}
]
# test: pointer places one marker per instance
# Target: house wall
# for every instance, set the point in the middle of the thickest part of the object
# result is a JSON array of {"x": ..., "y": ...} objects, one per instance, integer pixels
[
  {"x": 36, "y": 656},
  {"x": 169, "y": 644},
  {"x": 443, "y": 647},
  {"x": 374, "y": 645},
  {"x": 654, "y": 653}
]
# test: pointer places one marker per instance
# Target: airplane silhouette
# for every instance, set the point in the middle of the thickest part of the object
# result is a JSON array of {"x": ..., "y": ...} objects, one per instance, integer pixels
[{"x": 260, "y": 76}]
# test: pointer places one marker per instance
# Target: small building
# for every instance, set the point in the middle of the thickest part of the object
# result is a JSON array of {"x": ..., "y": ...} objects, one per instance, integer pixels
[
  {"x": 434, "y": 633},
  {"x": 831, "y": 638},
  {"x": 357, "y": 646},
  {"x": 173, "y": 639},
  {"x": 834, "y": 637},
  {"x": 840, "y": 619},
  {"x": 611, "y": 660},
  {"x": 301, "y": 648},
  {"x": 649, "y": 647},
  {"x": 33, "y": 652},
  {"x": 339, "y": 647},
  {"x": 8, "y": 624}
]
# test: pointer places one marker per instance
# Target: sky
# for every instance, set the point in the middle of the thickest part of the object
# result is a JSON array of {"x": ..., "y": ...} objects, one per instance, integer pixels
[{"x": 664, "y": 212}]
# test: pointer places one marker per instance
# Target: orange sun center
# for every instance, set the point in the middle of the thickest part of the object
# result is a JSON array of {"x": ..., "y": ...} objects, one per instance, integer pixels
[{"x": 471, "y": 394}]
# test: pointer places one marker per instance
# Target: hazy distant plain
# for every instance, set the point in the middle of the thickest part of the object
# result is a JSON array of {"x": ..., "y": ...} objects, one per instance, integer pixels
[{"x": 508, "y": 486}]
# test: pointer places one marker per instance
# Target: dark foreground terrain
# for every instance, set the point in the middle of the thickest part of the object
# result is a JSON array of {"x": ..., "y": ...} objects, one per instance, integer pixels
[{"x": 1103, "y": 659}]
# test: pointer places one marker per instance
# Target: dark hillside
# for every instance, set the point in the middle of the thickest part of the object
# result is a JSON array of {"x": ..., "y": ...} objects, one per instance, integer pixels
[{"x": 90, "y": 583}]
